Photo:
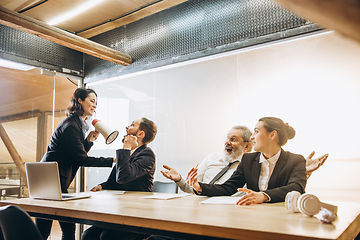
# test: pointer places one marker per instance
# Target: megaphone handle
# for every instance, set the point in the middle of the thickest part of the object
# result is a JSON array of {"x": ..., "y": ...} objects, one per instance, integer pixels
[
  {"x": 330, "y": 207},
  {"x": 92, "y": 138}
]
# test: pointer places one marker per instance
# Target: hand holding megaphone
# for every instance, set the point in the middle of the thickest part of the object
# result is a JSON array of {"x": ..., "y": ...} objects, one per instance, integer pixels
[
  {"x": 107, "y": 133},
  {"x": 93, "y": 135}
]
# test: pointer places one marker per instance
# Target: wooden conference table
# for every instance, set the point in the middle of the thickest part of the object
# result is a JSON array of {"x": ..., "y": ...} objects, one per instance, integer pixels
[{"x": 185, "y": 217}]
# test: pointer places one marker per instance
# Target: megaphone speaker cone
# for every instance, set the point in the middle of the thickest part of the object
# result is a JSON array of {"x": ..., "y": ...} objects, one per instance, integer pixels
[
  {"x": 112, "y": 137},
  {"x": 107, "y": 133}
]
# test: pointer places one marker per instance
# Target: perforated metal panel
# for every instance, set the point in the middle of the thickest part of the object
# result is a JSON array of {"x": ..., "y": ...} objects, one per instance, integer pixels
[
  {"x": 30, "y": 49},
  {"x": 194, "y": 29}
]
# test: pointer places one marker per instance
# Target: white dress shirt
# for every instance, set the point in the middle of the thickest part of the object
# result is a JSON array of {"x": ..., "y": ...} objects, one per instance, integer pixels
[
  {"x": 209, "y": 168},
  {"x": 85, "y": 126},
  {"x": 132, "y": 151},
  {"x": 267, "y": 167}
]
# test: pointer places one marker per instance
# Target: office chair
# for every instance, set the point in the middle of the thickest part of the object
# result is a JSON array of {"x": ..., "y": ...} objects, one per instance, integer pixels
[
  {"x": 165, "y": 187},
  {"x": 16, "y": 224}
]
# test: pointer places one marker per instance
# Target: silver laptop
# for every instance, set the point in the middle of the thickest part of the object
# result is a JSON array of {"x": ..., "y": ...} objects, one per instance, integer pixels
[{"x": 44, "y": 182}]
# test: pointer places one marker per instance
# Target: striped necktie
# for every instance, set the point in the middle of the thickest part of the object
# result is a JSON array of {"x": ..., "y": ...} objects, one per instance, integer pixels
[{"x": 221, "y": 173}]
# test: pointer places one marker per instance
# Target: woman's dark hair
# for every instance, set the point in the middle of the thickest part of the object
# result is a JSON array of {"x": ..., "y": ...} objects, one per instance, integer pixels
[
  {"x": 75, "y": 107},
  {"x": 284, "y": 131},
  {"x": 149, "y": 128}
]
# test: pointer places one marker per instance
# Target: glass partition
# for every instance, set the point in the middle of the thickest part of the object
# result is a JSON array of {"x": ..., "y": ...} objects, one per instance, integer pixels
[
  {"x": 311, "y": 83},
  {"x": 29, "y": 109}
]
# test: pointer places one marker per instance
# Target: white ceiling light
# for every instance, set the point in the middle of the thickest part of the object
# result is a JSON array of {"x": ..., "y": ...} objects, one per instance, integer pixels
[
  {"x": 76, "y": 11},
  {"x": 15, "y": 65}
]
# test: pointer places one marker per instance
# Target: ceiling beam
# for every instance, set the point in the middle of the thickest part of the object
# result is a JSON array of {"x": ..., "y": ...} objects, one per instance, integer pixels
[
  {"x": 59, "y": 36},
  {"x": 20, "y": 116},
  {"x": 129, "y": 18},
  {"x": 343, "y": 16}
]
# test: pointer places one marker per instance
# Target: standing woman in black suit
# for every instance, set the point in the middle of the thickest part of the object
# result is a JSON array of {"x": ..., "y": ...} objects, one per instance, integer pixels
[
  {"x": 69, "y": 147},
  {"x": 269, "y": 173}
]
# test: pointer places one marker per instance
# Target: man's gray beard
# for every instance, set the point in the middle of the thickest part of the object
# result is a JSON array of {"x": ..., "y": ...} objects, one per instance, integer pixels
[{"x": 233, "y": 156}]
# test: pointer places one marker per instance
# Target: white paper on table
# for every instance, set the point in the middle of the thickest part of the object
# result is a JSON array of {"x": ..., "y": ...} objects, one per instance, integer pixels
[
  {"x": 165, "y": 196},
  {"x": 111, "y": 192},
  {"x": 221, "y": 200}
]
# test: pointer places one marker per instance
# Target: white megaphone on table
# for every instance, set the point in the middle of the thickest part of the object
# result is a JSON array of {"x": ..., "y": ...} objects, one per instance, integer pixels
[{"x": 107, "y": 133}]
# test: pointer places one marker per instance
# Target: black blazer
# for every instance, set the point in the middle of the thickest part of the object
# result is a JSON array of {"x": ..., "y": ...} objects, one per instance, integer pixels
[
  {"x": 132, "y": 173},
  {"x": 288, "y": 175},
  {"x": 69, "y": 149}
]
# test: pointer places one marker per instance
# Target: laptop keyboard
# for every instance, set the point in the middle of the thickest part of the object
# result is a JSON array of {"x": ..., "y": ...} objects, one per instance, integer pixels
[{"x": 66, "y": 196}]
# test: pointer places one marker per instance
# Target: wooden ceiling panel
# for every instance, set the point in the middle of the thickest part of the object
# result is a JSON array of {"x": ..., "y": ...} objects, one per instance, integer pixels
[
  {"x": 18, "y": 5},
  {"x": 52, "y": 9},
  {"x": 135, "y": 16},
  {"x": 105, "y": 11},
  {"x": 100, "y": 14}
]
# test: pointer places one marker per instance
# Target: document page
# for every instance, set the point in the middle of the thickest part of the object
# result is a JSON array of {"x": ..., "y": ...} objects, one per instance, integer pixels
[
  {"x": 165, "y": 196},
  {"x": 221, "y": 200},
  {"x": 112, "y": 192}
]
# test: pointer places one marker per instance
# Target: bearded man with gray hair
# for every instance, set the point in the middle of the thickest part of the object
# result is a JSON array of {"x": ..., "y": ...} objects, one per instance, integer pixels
[{"x": 217, "y": 167}]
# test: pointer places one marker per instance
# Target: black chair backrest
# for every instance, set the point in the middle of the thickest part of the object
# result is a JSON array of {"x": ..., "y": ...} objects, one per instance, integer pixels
[
  {"x": 165, "y": 187},
  {"x": 16, "y": 224}
]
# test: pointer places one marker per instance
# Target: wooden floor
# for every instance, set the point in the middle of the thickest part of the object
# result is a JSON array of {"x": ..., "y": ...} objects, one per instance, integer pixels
[{"x": 55, "y": 231}]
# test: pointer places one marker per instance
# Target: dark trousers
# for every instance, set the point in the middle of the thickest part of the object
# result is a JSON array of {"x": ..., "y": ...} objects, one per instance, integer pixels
[
  {"x": 357, "y": 237},
  {"x": 44, "y": 226},
  {"x": 96, "y": 233}
]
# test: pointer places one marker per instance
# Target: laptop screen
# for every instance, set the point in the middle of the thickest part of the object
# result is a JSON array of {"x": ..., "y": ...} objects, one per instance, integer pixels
[{"x": 43, "y": 180}]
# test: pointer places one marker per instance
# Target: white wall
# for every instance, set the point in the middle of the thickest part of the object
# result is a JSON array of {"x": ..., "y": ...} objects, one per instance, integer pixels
[{"x": 312, "y": 83}]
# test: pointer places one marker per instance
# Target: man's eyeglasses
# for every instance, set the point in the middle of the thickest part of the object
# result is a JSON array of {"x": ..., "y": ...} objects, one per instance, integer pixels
[{"x": 231, "y": 139}]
